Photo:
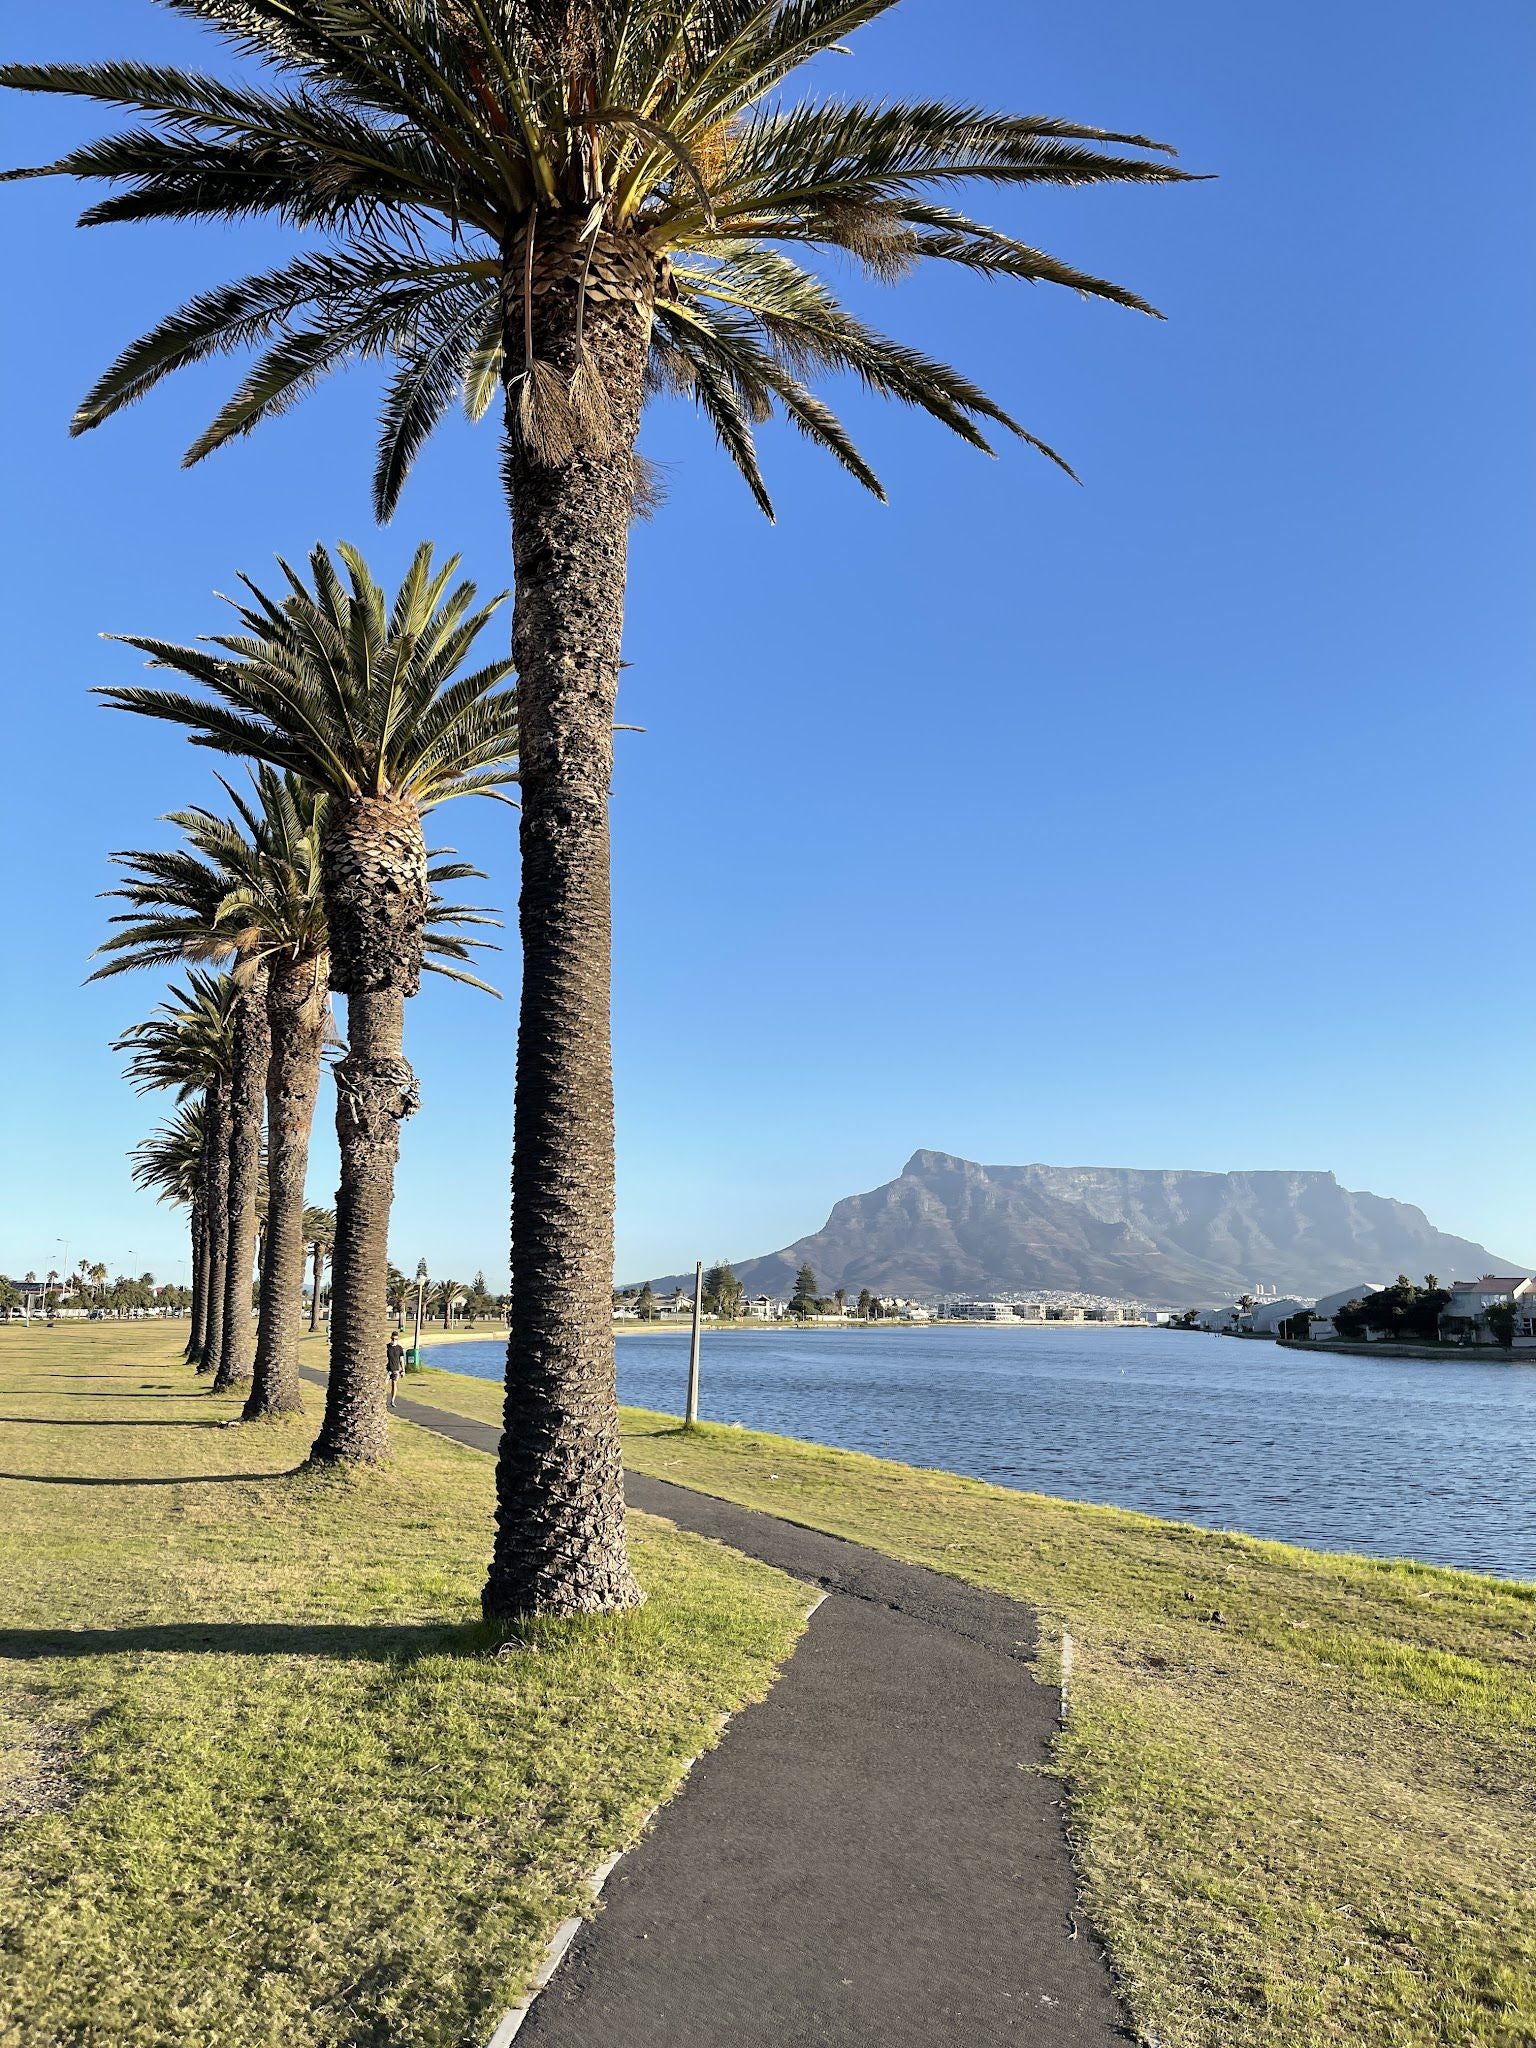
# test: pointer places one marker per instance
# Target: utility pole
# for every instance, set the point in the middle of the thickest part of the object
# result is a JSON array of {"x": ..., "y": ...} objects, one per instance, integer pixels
[
  {"x": 421, "y": 1288},
  {"x": 692, "y": 1417}
]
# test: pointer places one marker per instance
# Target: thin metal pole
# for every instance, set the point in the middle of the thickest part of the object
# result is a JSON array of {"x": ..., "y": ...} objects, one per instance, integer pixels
[{"x": 693, "y": 1348}]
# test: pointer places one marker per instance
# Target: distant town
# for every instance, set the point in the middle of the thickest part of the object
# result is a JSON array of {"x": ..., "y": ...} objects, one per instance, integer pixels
[{"x": 1494, "y": 1310}]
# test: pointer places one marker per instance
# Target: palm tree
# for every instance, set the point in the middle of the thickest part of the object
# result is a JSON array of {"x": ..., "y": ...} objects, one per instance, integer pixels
[
  {"x": 186, "y": 1045},
  {"x": 169, "y": 1165},
  {"x": 444, "y": 1296},
  {"x": 579, "y": 203},
  {"x": 319, "y": 1235},
  {"x": 176, "y": 900},
  {"x": 364, "y": 700},
  {"x": 261, "y": 872}
]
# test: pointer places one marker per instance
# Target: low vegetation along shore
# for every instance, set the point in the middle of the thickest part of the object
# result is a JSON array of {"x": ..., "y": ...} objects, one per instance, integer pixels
[{"x": 263, "y": 1776}]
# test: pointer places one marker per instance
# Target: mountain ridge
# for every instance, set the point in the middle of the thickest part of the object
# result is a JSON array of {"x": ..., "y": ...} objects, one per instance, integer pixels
[{"x": 1171, "y": 1236}]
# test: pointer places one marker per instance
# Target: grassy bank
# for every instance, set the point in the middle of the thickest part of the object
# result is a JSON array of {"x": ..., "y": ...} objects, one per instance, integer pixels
[
  {"x": 262, "y": 1777},
  {"x": 1301, "y": 1784}
]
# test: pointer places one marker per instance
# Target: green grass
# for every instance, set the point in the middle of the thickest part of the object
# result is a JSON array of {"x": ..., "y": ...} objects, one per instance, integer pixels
[
  {"x": 263, "y": 1778},
  {"x": 1305, "y": 1824}
]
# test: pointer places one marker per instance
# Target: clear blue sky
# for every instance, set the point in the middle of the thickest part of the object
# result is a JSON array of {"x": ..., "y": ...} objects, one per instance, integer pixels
[{"x": 1183, "y": 820}]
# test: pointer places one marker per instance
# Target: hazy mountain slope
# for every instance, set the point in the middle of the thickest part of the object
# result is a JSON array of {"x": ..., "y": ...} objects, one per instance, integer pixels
[{"x": 947, "y": 1224}]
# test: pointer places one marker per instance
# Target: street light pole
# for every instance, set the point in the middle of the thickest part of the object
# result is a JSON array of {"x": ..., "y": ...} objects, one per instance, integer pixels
[
  {"x": 421, "y": 1288},
  {"x": 692, "y": 1417}
]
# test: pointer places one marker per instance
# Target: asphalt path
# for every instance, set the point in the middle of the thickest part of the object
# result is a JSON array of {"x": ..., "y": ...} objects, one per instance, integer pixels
[{"x": 872, "y": 1857}]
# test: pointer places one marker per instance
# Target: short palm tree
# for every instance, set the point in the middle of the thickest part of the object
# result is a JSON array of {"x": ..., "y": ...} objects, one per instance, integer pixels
[
  {"x": 177, "y": 898},
  {"x": 574, "y": 204},
  {"x": 261, "y": 870},
  {"x": 169, "y": 1164},
  {"x": 364, "y": 700},
  {"x": 319, "y": 1236},
  {"x": 187, "y": 1046}
]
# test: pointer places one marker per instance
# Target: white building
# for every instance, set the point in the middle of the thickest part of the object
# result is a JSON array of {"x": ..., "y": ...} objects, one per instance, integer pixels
[
  {"x": 974, "y": 1311},
  {"x": 1463, "y": 1320}
]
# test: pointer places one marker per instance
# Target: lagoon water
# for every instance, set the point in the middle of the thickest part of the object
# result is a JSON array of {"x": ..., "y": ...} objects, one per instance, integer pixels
[{"x": 1402, "y": 1458}]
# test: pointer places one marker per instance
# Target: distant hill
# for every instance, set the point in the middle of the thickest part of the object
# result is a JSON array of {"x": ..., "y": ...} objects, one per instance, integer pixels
[{"x": 947, "y": 1225}]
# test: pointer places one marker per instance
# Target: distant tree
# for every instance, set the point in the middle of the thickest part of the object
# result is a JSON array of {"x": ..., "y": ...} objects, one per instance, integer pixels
[
  {"x": 443, "y": 1299},
  {"x": 1501, "y": 1323},
  {"x": 803, "y": 1302},
  {"x": 319, "y": 1236},
  {"x": 9, "y": 1297},
  {"x": 1245, "y": 1303},
  {"x": 864, "y": 1303},
  {"x": 1402, "y": 1312},
  {"x": 1188, "y": 1320},
  {"x": 723, "y": 1292},
  {"x": 645, "y": 1304},
  {"x": 839, "y": 1299}
]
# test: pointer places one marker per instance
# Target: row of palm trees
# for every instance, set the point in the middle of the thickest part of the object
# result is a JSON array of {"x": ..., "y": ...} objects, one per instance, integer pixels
[
  {"x": 318, "y": 879},
  {"x": 575, "y": 206}
]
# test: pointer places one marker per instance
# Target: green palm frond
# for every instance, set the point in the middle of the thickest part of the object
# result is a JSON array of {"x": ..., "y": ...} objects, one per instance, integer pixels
[
  {"x": 186, "y": 1044},
  {"x": 422, "y": 141},
  {"x": 169, "y": 1163},
  {"x": 354, "y": 695}
]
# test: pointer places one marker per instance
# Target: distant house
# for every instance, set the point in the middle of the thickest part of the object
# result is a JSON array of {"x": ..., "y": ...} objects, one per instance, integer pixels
[
  {"x": 1063, "y": 1313},
  {"x": 969, "y": 1311},
  {"x": 1030, "y": 1311},
  {"x": 763, "y": 1308},
  {"x": 1463, "y": 1320},
  {"x": 1269, "y": 1315}
]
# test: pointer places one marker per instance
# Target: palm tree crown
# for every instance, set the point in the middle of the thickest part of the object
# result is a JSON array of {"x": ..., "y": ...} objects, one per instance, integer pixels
[
  {"x": 436, "y": 144},
  {"x": 186, "y": 1043},
  {"x": 248, "y": 889},
  {"x": 168, "y": 1164},
  {"x": 357, "y": 696}
]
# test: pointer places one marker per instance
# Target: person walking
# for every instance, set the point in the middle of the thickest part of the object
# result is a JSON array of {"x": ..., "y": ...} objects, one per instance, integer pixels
[{"x": 394, "y": 1359}]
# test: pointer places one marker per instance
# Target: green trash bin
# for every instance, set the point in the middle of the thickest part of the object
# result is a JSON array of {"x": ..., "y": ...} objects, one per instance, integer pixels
[{"x": 413, "y": 1360}]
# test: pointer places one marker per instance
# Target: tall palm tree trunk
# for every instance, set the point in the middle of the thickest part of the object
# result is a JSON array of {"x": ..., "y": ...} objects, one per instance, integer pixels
[
  {"x": 198, "y": 1330},
  {"x": 314, "y": 1299},
  {"x": 247, "y": 1099},
  {"x": 296, "y": 1016},
  {"x": 216, "y": 1223},
  {"x": 376, "y": 894},
  {"x": 560, "y": 1542}
]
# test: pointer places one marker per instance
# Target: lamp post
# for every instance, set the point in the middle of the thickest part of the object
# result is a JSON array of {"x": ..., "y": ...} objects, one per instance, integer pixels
[
  {"x": 421, "y": 1288},
  {"x": 692, "y": 1417}
]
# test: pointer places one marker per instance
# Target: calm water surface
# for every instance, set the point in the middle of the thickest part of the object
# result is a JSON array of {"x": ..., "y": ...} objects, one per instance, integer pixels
[{"x": 1408, "y": 1458}]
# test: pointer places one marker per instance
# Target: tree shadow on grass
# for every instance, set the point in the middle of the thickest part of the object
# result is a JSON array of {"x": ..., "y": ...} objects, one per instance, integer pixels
[
  {"x": 105, "y": 1422},
  {"x": 383, "y": 1643},
  {"x": 171, "y": 1479}
]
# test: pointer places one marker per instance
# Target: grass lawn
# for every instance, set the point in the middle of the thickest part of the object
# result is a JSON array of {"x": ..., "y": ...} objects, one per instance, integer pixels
[
  {"x": 263, "y": 1781},
  {"x": 1303, "y": 1786}
]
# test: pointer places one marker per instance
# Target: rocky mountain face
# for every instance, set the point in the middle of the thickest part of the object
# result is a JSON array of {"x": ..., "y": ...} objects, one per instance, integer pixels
[{"x": 947, "y": 1225}]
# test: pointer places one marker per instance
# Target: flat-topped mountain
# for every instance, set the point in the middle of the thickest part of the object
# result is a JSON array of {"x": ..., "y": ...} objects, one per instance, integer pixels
[{"x": 948, "y": 1225}]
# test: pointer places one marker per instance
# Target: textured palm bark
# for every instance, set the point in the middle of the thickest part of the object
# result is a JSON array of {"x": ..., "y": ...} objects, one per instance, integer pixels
[
  {"x": 560, "y": 1540},
  {"x": 376, "y": 894},
  {"x": 216, "y": 1183},
  {"x": 198, "y": 1328},
  {"x": 251, "y": 1049},
  {"x": 296, "y": 997}
]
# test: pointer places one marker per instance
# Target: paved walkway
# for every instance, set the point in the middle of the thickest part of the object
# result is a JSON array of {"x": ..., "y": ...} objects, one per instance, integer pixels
[{"x": 870, "y": 1858}]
